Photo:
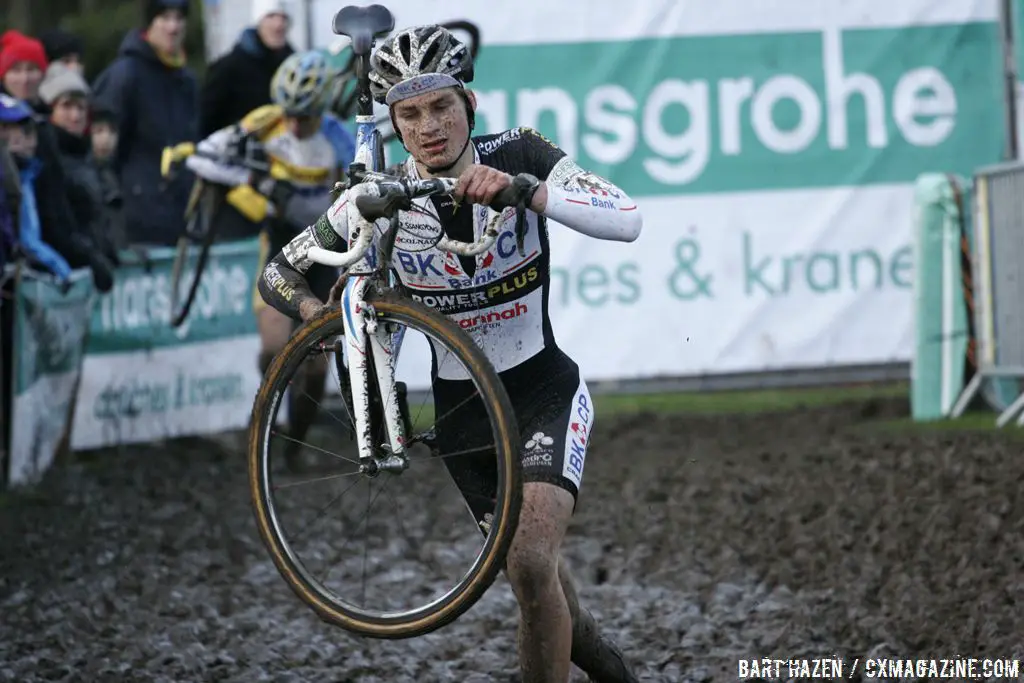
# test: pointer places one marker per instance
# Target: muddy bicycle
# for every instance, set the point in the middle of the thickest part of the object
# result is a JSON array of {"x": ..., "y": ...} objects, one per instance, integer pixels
[{"x": 369, "y": 323}]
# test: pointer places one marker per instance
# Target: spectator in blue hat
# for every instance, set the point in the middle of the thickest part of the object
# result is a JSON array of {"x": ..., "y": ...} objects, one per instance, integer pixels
[
  {"x": 18, "y": 132},
  {"x": 48, "y": 243},
  {"x": 155, "y": 98}
]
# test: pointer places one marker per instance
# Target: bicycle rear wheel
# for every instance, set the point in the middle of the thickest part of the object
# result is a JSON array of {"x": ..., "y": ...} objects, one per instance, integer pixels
[
  {"x": 391, "y": 616},
  {"x": 193, "y": 250}
]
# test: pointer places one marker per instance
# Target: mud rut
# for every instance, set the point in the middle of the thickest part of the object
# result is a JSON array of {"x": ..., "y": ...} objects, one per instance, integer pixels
[{"x": 698, "y": 540}]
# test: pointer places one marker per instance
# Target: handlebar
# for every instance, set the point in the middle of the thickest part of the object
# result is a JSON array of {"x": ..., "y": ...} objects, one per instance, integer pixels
[
  {"x": 174, "y": 156},
  {"x": 384, "y": 196}
]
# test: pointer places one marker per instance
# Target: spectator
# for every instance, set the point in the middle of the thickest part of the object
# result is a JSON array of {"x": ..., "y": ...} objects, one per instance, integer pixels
[
  {"x": 155, "y": 99},
  {"x": 67, "y": 95},
  {"x": 65, "y": 48},
  {"x": 239, "y": 82},
  {"x": 45, "y": 240},
  {"x": 18, "y": 131},
  {"x": 10, "y": 203},
  {"x": 22, "y": 64},
  {"x": 103, "y": 131}
]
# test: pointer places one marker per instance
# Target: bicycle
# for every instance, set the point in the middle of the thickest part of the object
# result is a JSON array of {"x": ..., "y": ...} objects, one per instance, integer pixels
[
  {"x": 204, "y": 202},
  {"x": 369, "y": 320}
]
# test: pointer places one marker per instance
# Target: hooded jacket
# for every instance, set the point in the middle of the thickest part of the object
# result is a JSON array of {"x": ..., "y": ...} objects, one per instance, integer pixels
[{"x": 157, "y": 106}]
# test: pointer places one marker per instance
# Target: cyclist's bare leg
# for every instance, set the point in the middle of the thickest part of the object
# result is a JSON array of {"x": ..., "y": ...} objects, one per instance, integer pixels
[
  {"x": 275, "y": 329},
  {"x": 591, "y": 652},
  {"x": 545, "y": 624}
]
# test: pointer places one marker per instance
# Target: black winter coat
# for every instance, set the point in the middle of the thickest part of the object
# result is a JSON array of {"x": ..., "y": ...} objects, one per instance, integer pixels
[
  {"x": 239, "y": 82},
  {"x": 85, "y": 190},
  {"x": 157, "y": 106}
]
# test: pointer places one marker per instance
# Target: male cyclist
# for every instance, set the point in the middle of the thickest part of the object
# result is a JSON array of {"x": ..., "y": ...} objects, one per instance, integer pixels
[
  {"x": 420, "y": 74},
  {"x": 291, "y": 134}
]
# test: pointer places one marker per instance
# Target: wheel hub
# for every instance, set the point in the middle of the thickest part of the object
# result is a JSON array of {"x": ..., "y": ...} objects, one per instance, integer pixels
[{"x": 393, "y": 463}]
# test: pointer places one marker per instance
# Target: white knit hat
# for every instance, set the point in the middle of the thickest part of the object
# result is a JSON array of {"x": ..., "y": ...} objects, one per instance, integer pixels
[
  {"x": 62, "y": 80},
  {"x": 261, "y": 8}
]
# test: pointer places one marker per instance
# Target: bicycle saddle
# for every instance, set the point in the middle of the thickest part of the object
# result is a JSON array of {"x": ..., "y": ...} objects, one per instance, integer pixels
[{"x": 363, "y": 25}]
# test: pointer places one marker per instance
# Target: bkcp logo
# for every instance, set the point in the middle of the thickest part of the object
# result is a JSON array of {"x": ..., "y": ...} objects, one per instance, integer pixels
[{"x": 579, "y": 431}]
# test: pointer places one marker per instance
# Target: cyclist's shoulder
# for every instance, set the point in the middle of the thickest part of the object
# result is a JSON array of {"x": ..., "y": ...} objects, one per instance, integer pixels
[
  {"x": 512, "y": 140},
  {"x": 262, "y": 120},
  {"x": 519, "y": 150}
]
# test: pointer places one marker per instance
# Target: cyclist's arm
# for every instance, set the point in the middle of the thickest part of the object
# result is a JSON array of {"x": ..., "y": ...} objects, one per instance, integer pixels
[
  {"x": 576, "y": 198},
  {"x": 283, "y": 282},
  {"x": 213, "y": 170},
  {"x": 249, "y": 202}
]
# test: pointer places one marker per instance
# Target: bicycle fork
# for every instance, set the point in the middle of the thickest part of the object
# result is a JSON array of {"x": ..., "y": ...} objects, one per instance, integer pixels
[{"x": 364, "y": 334}]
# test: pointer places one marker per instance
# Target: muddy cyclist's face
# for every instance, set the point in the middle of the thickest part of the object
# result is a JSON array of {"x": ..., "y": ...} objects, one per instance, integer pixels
[{"x": 434, "y": 126}]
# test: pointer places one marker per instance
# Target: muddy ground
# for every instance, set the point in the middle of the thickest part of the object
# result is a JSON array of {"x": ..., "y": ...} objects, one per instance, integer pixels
[{"x": 697, "y": 541}]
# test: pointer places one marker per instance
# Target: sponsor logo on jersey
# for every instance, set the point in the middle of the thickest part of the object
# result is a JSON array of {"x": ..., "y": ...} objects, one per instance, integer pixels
[
  {"x": 564, "y": 172},
  {"x": 325, "y": 232},
  {"x": 596, "y": 185},
  {"x": 483, "y": 274},
  {"x": 419, "y": 264},
  {"x": 417, "y": 233},
  {"x": 443, "y": 270},
  {"x": 503, "y": 291},
  {"x": 490, "y": 146},
  {"x": 493, "y": 316}
]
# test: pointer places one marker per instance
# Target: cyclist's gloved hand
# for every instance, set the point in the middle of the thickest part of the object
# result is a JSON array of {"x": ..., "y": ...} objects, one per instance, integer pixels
[
  {"x": 279, "y": 192},
  {"x": 486, "y": 185},
  {"x": 481, "y": 184},
  {"x": 246, "y": 146}
]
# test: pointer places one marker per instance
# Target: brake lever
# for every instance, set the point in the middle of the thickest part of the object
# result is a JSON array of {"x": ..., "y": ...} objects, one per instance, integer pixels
[{"x": 521, "y": 227}]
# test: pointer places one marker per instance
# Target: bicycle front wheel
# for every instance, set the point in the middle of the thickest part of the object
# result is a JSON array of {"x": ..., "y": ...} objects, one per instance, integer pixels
[{"x": 326, "y": 560}]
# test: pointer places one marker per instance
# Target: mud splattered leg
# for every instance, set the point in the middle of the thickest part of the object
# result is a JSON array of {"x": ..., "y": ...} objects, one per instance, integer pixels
[{"x": 597, "y": 656}]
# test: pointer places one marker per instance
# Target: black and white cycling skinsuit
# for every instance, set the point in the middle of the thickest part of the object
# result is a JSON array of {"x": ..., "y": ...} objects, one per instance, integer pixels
[{"x": 501, "y": 299}]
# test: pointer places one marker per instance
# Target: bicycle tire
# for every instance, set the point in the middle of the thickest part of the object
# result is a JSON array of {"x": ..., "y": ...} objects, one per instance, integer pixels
[
  {"x": 202, "y": 206},
  {"x": 440, "y": 613}
]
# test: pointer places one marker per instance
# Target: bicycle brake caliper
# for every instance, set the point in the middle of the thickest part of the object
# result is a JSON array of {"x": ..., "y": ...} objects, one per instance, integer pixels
[{"x": 370, "y": 316}]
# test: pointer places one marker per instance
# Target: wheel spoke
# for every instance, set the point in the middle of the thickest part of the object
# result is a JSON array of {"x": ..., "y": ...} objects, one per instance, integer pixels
[{"x": 440, "y": 564}]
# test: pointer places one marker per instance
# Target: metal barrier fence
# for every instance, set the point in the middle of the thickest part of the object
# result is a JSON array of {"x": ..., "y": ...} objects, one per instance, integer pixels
[{"x": 998, "y": 266}]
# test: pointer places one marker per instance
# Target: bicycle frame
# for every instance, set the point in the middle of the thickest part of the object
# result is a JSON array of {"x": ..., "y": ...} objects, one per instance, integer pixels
[{"x": 369, "y": 263}]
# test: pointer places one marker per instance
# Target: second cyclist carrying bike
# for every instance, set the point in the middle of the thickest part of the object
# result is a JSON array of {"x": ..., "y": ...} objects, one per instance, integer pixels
[{"x": 290, "y": 133}]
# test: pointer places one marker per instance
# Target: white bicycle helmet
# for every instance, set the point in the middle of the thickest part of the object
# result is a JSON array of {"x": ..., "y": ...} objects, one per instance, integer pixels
[
  {"x": 301, "y": 83},
  {"x": 417, "y": 60}
]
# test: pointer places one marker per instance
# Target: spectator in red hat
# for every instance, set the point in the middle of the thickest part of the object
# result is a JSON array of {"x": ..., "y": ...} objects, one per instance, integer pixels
[{"x": 22, "y": 65}]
